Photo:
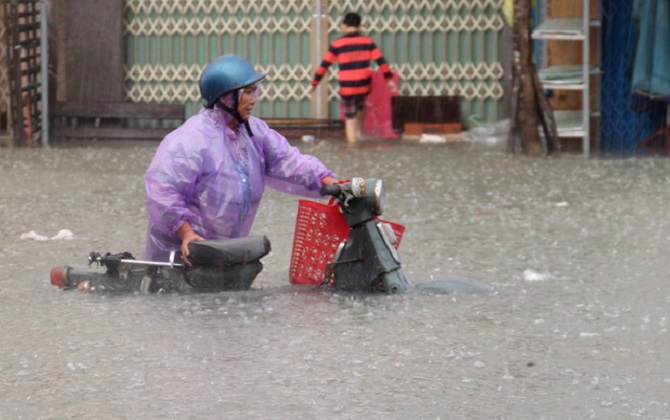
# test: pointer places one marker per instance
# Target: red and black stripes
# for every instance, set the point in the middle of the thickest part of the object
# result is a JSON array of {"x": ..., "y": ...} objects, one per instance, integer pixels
[{"x": 353, "y": 53}]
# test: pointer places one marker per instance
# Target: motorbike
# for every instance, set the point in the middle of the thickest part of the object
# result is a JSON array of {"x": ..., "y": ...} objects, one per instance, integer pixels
[
  {"x": 217, "y": 265},
  {"x": 368, "y": 260}
]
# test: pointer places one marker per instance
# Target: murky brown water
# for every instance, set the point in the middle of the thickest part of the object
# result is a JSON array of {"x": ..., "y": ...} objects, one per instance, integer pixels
[{"x": 577, "y": 249}]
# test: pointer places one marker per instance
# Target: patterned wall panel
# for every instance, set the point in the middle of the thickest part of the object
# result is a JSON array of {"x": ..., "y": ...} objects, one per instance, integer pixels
[
  {"x": 4, "y": 82},
  {"x": 437, "y": 47},
  {"x": 447, "y": 47}
]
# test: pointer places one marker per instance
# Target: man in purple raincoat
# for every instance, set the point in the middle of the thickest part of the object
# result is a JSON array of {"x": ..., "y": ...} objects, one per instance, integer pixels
[{"x": 207, "y": 177}]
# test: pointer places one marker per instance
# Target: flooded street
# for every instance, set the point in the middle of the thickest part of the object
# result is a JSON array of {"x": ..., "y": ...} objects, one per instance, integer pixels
[{"x": 577, "y": 250}]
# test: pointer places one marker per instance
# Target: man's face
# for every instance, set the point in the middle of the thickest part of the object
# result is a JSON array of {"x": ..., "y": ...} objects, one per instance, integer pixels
[{"x": 247, "y": 101}]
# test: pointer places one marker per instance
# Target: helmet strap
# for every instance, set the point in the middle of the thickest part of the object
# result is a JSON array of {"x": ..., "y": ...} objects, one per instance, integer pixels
[{"x": 235, "y": 112}]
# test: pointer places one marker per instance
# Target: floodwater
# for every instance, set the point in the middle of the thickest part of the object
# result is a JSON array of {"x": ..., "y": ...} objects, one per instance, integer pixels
[{"x": 577, "y": 250}]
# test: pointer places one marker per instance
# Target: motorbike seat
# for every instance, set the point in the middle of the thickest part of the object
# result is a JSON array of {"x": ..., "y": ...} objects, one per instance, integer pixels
[{"x": 229, "y": 252}]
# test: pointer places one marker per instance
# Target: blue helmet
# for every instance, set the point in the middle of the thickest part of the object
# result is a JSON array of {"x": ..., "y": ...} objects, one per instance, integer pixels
[{"x": 225, "y": 74}]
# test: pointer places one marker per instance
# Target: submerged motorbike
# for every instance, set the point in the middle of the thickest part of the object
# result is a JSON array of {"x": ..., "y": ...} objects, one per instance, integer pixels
[
  {"x": 368, "y": 260},
  {"x": 226, "y": 265}
]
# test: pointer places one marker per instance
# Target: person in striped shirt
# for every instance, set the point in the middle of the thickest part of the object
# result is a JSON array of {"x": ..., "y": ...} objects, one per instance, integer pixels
[{"x": 353, "y": 53}]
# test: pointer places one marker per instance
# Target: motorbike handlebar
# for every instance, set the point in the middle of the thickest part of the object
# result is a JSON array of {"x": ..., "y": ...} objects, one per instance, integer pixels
[{"x": 334, "y": 190}]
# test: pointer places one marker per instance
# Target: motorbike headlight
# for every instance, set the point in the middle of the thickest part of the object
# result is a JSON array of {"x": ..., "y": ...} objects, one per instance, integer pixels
[
  {"x": 379, "y": 197},
  {"x": 359, "y": 187}
]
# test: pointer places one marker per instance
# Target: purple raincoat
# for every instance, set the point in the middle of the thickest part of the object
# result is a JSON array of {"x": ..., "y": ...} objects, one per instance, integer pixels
[{"x": 207, "y": 175}]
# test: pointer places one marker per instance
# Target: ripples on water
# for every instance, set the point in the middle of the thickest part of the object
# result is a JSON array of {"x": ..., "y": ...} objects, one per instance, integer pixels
[{"x": 577, "y": 250}]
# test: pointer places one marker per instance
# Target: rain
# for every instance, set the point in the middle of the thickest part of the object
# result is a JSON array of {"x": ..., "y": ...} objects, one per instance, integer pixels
[
  {"x": 576, "y": 328},
  {"x": 573, "y": 249}
]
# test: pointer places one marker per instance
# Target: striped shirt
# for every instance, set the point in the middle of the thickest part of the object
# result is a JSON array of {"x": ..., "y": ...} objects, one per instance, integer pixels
[{"x": 353, "y": 53}]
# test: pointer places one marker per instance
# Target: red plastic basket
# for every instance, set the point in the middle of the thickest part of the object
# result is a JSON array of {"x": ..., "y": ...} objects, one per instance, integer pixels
[{"x": 319, "y": 230}]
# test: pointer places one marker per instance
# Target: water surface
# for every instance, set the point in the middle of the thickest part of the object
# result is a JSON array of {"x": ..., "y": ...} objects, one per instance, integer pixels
[{"x": 577, "y": 250}]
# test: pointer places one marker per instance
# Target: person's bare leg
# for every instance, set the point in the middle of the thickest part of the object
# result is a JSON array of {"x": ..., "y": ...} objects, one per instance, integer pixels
[
  {"x": 350, "y": 130},
  {"x": 360, "y": 124}
]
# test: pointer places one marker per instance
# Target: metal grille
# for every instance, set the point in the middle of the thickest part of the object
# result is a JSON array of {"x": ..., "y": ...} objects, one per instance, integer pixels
[
  {"x": 22, "y": 31},
  {"x": 438, "y": 48},
  {"x": 168, "y": 44},
  {"x": 5, "y": 127}
]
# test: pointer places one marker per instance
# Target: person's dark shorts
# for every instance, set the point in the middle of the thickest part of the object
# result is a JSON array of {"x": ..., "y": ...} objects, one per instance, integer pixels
[{"x": 352, "y": 105}]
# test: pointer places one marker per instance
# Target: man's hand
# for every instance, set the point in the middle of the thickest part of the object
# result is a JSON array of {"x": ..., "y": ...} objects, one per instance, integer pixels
[
  {"x": 328, "y": 181},
  {"x": 392, "y": 87},
  {"x": 187, "y": 235}
]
